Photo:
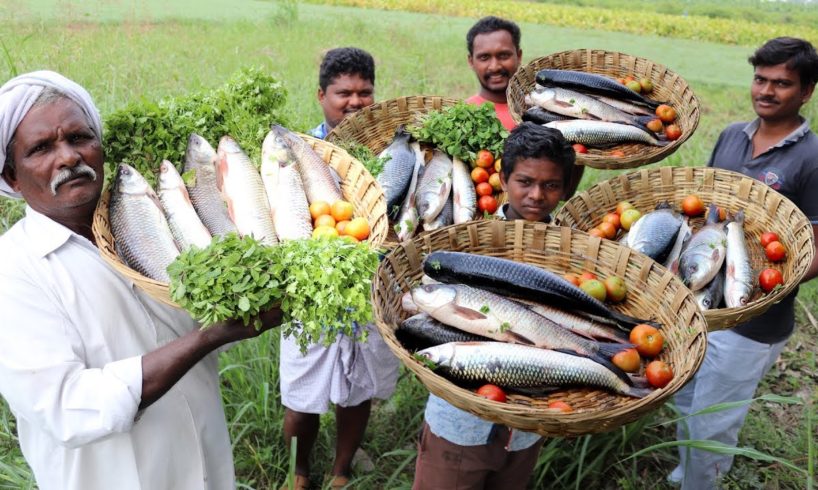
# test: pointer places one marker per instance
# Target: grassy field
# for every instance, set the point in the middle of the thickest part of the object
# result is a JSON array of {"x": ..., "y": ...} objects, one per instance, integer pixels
[{"x": 151, "y": 49}]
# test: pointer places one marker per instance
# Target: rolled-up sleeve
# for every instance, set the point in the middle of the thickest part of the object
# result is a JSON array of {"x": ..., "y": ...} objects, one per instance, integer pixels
[{"x": 45, "y": 379}]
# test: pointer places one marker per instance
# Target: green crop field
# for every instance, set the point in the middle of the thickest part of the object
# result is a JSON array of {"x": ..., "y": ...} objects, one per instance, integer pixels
[{"x": 127, "y": 51}]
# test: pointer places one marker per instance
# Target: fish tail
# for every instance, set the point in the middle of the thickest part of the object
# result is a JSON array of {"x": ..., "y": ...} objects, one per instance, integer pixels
[
  {"x": 610, "y": 349},
  {"x": 637, "y": 392},
  {"x": 628, "y": 322}
]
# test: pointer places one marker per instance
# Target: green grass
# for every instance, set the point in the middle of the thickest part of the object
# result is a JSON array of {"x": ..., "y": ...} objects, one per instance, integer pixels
[{"x": 153, "y": 49}]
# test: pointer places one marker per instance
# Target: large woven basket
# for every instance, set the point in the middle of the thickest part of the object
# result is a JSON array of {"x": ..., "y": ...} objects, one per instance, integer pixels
[
  {"x": 764, "y": 209},
  {"x": 653, "y": 293},
  {"x": 357, "y": 186},
  {"x": 667, "y": 87}
]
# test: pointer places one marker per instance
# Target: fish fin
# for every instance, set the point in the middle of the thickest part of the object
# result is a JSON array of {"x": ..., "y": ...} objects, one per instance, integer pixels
[
  {"x": 639, "y": 381},
  {"x": 610, "y": 349},
  {"x": 562, "y": 104},
  {"x": 518, "y": 339},
  {"x": 569, "y": 351},
  {"x": 628, "y": 322},
  {"x": 638, "y": 392},
  {"x": 468, "y": 313}
]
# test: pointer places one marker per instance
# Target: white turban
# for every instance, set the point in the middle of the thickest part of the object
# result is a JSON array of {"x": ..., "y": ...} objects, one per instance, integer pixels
[{"x": 18, "y": 95}]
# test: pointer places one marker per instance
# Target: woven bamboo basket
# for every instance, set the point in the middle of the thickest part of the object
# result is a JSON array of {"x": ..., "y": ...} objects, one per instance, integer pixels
[
  {"x": 667, "y": 87},
  {"x": 764, "y": 209},
  {"x": 357, "y": 186},
  {"x": 653, "y": 293}
]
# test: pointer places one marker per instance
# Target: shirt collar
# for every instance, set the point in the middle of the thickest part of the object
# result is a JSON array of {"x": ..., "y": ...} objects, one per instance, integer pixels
[
  {"x": 320, "y": 131},
  {"x": 46, "y": 234},
  {"x": 501, "y": 213},
  {"x": 751, "y": 128}
]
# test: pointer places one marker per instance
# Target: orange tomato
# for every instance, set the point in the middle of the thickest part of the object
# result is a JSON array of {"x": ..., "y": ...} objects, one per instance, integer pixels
[
  {"x": 658, "y": 373},
  {"x": 647, "y": 339},
  {"x": 673, "y": 132},
  {"x": 627, "y": 360},
  {"x": 613, "y": 219},
  {"x": 608, "y": 229},
  {"x": 479, "y": 174},
  {"x": 342, "y": 210},
  {"x": 666, "y": 113},
  {"x": 597, "y": 233},
  {"x": 484, "y": 159},
  {"x": 341, "y": 226},
  {"x": 484, "y": 189},
  {"x": 693, "y": 206},
  {"x": 587, "y": 276},
  {"x": 319, "y": 208},
  {"x": 324, "y": 232},
  {"x": 622, "y": 206},
  {"x": 560, "y": 406},
  {"x": 618, "y": 153},
  {"x": 325, "y": 220},
  {"x": 492, "y": 392},
  {"x": 572, "y": 278},
  {"x": 358, "y": 228}
]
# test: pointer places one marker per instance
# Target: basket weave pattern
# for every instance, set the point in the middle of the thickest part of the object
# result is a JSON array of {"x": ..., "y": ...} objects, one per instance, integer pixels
[
  {"x": 764, "y": 209},
  {"x": 653, "y": 293},
  {"x": 667, "y": 87},
  {"x": 357, "y": 186}
]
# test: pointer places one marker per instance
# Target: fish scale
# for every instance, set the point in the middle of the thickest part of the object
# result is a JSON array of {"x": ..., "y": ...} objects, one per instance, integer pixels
[
  {"x": 434, "y": 186},
  {"x": 319, "y": 184},
  {"x": 602, "y": 133},
  {"x": 580, "y": 80},
  {"x": 656, "y": 233},
  {"x": 200, "y": 159},
  {"x": 187, "y": 228},
  {"x": 424, "y": 327},
  {"x": 397, "y": 172},
  {"x": 575, "y": 104},
  {"x": 739, "y": 279},
  {"x": 704, "y": 254},
  {"x": 285, "y": 190},
  {"x": 464, "y": 196}
]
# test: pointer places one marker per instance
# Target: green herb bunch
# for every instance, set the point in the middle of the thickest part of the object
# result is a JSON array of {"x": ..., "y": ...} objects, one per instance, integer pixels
[
  {"x": 462, "y": 130},
  {"x": 373, "y": 163}
]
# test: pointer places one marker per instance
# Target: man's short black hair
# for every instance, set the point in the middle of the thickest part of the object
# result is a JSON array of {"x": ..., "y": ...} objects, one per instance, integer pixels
[
  {"x": 530, "y": 140},
  {"x": 490, "y": 24},
  {"x": 798, "y": 54},
  {"x": 346, "y": 61}
]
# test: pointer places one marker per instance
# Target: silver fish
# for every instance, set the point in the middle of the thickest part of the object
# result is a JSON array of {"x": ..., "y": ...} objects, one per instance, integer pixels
[
  {"x": 138, "y": 224},
  {"x": 489, "y": 315},
  {"x": 581, "y": 106},
  {"x": 704, "y": 254},
  {"x": 397, "y": 172},
  {"x": 445, "y": 218},
  {"x": 602, "y": 133},
  {"x": 408, "y": 304},
  {"x": 243, "y": 191},
  {"x": 519, "y": 366},
  {"x": 434, "y": 186},
  {"x": 426, "y": 328},
  {"x": 408, "y": 219},
  {"x": 463, "y": 193},
  {"x": 656, "y": 232},
  {"x": 739, "y": 280},
  {"x": 625, "y": 106},
  {"x": 685, "y": 232},
  {"x": 710, "y": 296},
  {"x": 579, "y": 324},
  {"x": 319, "y": 184},
  {"x": 284, "y": 189},
  {"x": 187, "y": 228},
  {"x": 200, "y": 159}
]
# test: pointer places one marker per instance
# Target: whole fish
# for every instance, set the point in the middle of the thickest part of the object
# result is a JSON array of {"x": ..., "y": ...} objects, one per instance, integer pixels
[
  {"x": 538, "y": 115},
  {"x": 518, "y": 280},
  {"x": 685, "y": 232},
  {"x": 625, "y": 106},
  {"x": 408, "y": 304},
  {"x": 284, "y": 189},
  {"x": 200, "y": 159},
  {"x": 710, "y": 296},
  {"x": 590, "y": 82},
  {"x": 464, "y": 196},
  {"x": 408, "y": 219},
  {"x": 316, "y": 175},
  {"x": 138, "y": 224},
  {"x": 739, "y": 279},
  {"x": 397, "y": 172},
  {"x": 445, "y": 218},
  {"x": 581, "y": 106},
  {"x": 489, "y": 315},
  {"x": 704, "y": 254},
  {"x": 519, "y": 366},
  {"x": 579, "y": 324},
  {"x": 602, "y": 134},
  {"x": 656, "y": 233},
  {"x": 432, "y": 332},
  {"x": 244, "y": 193},
  {"x": 187, "y": 228},
  {"x": 434, "y": 186}
]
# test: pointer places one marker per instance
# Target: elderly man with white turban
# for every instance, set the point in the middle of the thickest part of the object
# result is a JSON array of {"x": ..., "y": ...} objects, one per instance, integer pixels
[{"x": 110, "y": 389}]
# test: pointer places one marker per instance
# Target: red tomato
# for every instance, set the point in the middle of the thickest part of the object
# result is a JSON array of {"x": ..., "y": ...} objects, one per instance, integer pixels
[
  {"x": 769, "y": 279},
  {"x": 608, "y": 229},
  {"x": 597, "y": 233},
  {"x": 580, "y": 148},
  {"x": 618, "y": 153},
  {"x": 492, "y": 392},
  {"x": 484, "y": 159},
  {"x": 487, "y": 204},
  {"x": 647, "y": 339},
  {"x": 613, "y": 219},
  {"x": 586, "y": 276},
  {"x": 673, "y": 132},
  {"x": 561, "y": 406},
  {"x": 658, "y": 373},
  {"x": 572, "y": 278},
  {"x": 768, "y": 237},
  {"x": 627, "y": 360},
  {"x": 775, "y": 251},
  {"x": 692, "y": 205}
]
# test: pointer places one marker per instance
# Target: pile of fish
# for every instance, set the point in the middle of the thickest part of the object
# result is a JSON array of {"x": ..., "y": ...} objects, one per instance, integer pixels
[
  {"x": 482, "y": 319},
  {"x": 591, "y": 109},
  {"x": 225, "y": 193},
  {"x": 713, "y": 262},
  {"x": 431, "y": 194}
]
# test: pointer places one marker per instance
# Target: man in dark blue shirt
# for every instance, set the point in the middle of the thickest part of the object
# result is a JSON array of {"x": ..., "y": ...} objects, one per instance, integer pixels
[{"x": 779, "y": 149}]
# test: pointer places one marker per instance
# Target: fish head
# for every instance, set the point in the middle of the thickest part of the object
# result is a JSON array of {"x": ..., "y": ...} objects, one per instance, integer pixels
[
  {"x": 198, "y": 152},
  {"x": 169, "y": 178},
  {"x": 705, "y": 301},
  {"x": 129, "y": 181},
  {"x": 408, "y": 304},
  {"x": 275, "y": 151},
  {"x": 430, "y": 297},
  {"x": 227, "y": 145},
  {"x": 439, "y": 355}
]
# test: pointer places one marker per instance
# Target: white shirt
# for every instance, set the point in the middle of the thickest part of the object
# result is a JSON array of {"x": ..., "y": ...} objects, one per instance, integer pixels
[{"x": 72, "y": 335}]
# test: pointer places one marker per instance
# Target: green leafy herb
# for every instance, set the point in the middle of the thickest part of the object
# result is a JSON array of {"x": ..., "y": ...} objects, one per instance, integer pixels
[
  {"x": 435, "y": 265},
  {"x": 484, "y": 309},
  {"x": 505, "y": 326},
  {"x": 462, "y": 130},
  {"x": 373, "y": 163},
  {"x": 428, "y": 363}
]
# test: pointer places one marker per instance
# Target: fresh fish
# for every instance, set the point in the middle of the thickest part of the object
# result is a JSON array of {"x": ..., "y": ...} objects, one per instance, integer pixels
[
  {"x": 625, "y": 106},
  {"x": 184, "y": 223},
  {"x": 710, "y": 296},
  {"x": 739, "y": 278},
  {"x": 518, "y": 280},
  {"x": 200, "y": 159},
  {"x": 602, "y": 134},
  {"x": 243, "y": 191},
  {"x": 445, "y": 218},
  {"x": 408, "y": 219},
  {"x": 684, "y": 234},
  {"x": 408, "y": 304},
  {"x": 434, "y": 186},
  {"x": 489, "y": 315},
  {"x": 590, "y": 82},
  {"x": 538, "y": 115},
  {"x": 704, "y": 254},
  {"x": 432, "y": 332},
  {"x": 284, "y": 189},
  {"x": 464, "y": 196},
  {"x": 519, "y": 366},
  {"x": 579, "y": 324},
  {"x": 138, "y": 223},
  {"x": 319, "y": 183},
  {"x": 575, "y": 104},
  {"x": 397, "y": 172},
  {"x": 656, "y": 233}
]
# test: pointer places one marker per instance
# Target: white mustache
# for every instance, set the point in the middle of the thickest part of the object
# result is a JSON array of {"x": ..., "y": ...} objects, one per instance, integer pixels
[{"x": 71, "y": 173}]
